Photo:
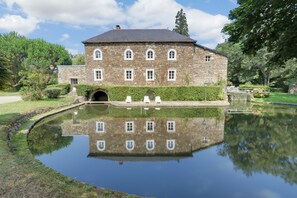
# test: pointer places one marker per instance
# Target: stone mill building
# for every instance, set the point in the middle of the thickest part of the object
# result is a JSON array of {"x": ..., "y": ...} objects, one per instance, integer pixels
[{"x": 145, "y": 57}]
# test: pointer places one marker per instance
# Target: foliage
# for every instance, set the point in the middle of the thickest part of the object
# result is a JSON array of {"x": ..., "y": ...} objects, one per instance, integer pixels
[
  {"x": 78, "y": 59},
  {"x": 65, "y": 88},
  {"x": 265, "y": 23},
  {"x": 52, "y": 92},
  {"x": 4, "y": 72},
  {"x": 262, "y": 143},
  {"x": 172, "y": 93},
  {"x": 181, "y": 25},
  {"x": 259, "y": 93},
  {"x": 250, "y": 87}
]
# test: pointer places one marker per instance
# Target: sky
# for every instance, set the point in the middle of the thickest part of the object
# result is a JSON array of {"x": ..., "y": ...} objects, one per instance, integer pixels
[{"x": 69, "y": 22}]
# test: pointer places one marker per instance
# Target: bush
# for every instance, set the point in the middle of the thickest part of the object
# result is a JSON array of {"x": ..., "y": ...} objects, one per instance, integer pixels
[
  {"x": 65, "y": 88},
  {"x": 52, "y": 92},
  {"x": 251, "y": 87},
  {"x": 172, "y": 93},
  {"x": 260, "y": 93}
]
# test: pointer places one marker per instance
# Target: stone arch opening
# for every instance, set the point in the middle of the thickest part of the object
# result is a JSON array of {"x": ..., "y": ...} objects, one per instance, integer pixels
[{"x": 99, "y": 95}]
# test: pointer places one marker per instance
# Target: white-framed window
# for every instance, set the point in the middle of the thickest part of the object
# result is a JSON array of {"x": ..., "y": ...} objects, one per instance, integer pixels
[
  {"x": 129, "y": 127},
  {"x": 150, "y": 75},
  {"x": 98, "y": 74},
  {"x": 99, "y": 127},
  {"x": 150, "y": 126},
  {"x": 128, "y": 54},
  {"x": 130, "y": 144},
  {"x": 150, "y": 54},
  {"x": 170, "y": 144},
  {"x": 129, "y": 74},
  {"x": 150, "y": 144},
  {"x": 101, "y": 145},
  {"x": 171, "y": 54},
  {"x": 170, "y": 126},
  {"x": 171, "y": 76},
  {"x": 207, "y": 58},
  {"x": 97, "y": 54}
]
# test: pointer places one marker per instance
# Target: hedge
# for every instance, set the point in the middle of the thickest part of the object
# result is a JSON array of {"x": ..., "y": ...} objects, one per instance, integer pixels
[
  {"x": 65, "y": 88},
  {"x": 52, "y": 92},
  {"x": 170, "y": 93}
]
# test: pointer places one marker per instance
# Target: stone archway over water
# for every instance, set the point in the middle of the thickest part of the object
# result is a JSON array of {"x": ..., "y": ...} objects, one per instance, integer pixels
[{"x": 99, "y": 95}]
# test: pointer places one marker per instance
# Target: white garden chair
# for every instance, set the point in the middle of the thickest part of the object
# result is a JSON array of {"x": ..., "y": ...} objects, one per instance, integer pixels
[
  {"x": 158, "y": 99},
  {"x": 146, "y": 99},
  {"x": 128, "y": 99}
]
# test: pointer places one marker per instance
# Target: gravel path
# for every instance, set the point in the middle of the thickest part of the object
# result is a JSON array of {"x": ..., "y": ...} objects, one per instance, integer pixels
[{"x": 7, "y": 99}]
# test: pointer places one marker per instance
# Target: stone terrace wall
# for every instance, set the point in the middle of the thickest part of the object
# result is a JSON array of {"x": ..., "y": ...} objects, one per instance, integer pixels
[{"x": 66, "y": 72}]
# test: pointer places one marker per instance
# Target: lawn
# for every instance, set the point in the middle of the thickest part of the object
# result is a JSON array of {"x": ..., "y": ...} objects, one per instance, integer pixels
[
  {"x": 3, "y": 93},
  {"x": 21, "y": 175},
  {"x": 279, "y": 97}
]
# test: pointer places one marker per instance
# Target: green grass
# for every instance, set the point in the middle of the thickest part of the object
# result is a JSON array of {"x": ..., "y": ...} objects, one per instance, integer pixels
[
  {"x": 279, "y": 97},
  {"x": 21, "y": 175},
  {"x": 4, "y": 93}
]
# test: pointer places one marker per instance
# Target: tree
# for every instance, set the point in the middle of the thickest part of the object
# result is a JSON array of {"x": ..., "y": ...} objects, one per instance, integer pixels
[
  {"x": 78, "y": 59},
  {"x": 265, "y": 23},
  {"x": 4, "y": 72},
  {"x": 181, "y": 25}
]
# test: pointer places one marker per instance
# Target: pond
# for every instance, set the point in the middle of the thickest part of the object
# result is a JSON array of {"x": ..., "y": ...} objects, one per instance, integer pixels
[{"x": 248, "y": 151}]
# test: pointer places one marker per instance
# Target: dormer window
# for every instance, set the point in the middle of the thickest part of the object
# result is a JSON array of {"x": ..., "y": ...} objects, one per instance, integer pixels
[
  {"x": 128, "y": 55},
  {"x": 171, "y": 54},
  {"x": 97, "y": 54},
  {"x": 150, "y": 54}
]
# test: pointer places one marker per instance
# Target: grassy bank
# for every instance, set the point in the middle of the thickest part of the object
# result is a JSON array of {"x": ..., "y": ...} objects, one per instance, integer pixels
[
  {"x": 3, "y": 93},
  {"x": 279, "y": 97},
  {"x": 23, "y": 176}
]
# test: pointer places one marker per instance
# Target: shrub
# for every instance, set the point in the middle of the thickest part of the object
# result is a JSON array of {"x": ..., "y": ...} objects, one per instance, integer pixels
[
  {"x": 260, "y": 93},
  {"x": 65, "y": 88},
  {"x": 52, "y": 92},
  {"x": 251, "y": 87},
  {"x": 170, "y": 93}
]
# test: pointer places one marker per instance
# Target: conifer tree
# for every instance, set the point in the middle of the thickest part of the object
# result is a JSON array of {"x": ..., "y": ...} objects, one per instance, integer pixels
[{"x": 181, "y": 25}]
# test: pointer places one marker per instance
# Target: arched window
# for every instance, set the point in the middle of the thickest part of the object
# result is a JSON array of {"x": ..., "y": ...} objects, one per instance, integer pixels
[
  {"x": 101, "y": 145},
  {"x": 97, "y": 54},
  {"x": 128, "y": 55},
  {"x": 171, "y": 54},
  {"x": 150, "y": 145},
  {"x": 130, "y": 145},
  {"x": 170, "y": 144},
  {"x": 150, "y": 54}
]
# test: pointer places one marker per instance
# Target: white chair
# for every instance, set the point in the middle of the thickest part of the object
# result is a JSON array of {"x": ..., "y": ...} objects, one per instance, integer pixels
[
  {"x": 146, "y": 99},
  {"x": 158, "y": 99},
  {"x": 128, "y": 99}
]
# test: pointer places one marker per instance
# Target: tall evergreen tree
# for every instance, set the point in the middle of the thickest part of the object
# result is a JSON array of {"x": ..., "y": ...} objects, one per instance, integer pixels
[
  {"x": 181, "y": 25},
  {"x": 4, "y": 72}
]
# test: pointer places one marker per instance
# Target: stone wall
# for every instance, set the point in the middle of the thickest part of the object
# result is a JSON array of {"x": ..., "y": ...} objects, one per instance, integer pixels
[{"x": 66, "y": 72}]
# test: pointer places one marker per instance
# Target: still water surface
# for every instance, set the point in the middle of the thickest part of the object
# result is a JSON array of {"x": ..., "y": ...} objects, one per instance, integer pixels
[{"x": 181, "y": 152}]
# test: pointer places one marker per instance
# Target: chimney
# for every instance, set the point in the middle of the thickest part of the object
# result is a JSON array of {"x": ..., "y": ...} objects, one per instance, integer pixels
[{"x": 117, "y": 27}]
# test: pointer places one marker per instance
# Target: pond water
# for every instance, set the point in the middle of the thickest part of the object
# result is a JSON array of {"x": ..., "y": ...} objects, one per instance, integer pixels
[{"x": 249, "y": 151}]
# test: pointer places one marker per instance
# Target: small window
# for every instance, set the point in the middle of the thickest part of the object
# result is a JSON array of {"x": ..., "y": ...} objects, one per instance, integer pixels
[
  {"x": 128, "y": 55},
  {"x": 73, "y": 81},
  {"x": 130, "y": 145},
  {"x": 170, "y": 126},
  {"x": 207, "y": 58},
  {"x": 150, "y": 126},
  {"x": 150, "y": 75},
  {"x": 150, "y": 54},
  {"x": 98, "y": 75},
  {"x": 129, "y": 74},
  {"x": 171, "y": 75},
  {"x": 172, "y": 54},
  {"x": 150, "y": 144},
  {"x": 129, "y": 127},
  {"x": 101, "y": 145},
  {"x": 170, "y": 144},
  {"x": 97, "y": 54},
  {"x": 99, "y": 127}
]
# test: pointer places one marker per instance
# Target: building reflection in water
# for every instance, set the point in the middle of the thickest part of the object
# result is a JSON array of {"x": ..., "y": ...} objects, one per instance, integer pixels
[{"x": 160, "y": 138}]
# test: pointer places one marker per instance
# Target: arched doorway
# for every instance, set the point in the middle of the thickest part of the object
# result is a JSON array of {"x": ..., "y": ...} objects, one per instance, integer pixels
[{"x": 99, "y": 95}]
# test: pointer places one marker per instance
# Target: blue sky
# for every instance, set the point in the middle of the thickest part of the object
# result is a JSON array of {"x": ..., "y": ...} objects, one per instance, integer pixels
[{"x": 68, "y": 22}]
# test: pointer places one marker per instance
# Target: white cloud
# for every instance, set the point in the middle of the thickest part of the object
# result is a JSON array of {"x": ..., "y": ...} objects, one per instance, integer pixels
[
  {"x": 64, "y": 37},
  {"x": 18, "y": 24},
  {"x": 79, "y": 12},
  {"x": 268, "y": 194},
  {"x": 73, "y": 51}
]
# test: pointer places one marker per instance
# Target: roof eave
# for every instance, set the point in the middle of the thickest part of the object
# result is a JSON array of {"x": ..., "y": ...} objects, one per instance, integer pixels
[{"x": 212, "y": 50}]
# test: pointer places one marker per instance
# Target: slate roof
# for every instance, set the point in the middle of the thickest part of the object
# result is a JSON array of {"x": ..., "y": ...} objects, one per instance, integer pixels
[{"x": 139, "y": 36}]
